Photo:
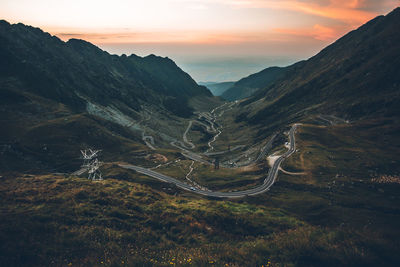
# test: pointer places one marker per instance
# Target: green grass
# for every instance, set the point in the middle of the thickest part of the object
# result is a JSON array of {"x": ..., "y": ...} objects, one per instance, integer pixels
[
  {"x": 134, "y": 221},
  {"x": 225, "y": 179},
  {"x": 74, "y": 220},
  {"x": 359, "y": 150}
]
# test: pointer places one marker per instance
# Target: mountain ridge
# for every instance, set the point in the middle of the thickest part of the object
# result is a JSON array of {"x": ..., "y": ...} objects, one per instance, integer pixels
[
  {"x": 249, "y": 85},
  {"x": 217, "y": 88},
  {"x": 364, "y": 60},
  {"x": 40, "y": 59}
]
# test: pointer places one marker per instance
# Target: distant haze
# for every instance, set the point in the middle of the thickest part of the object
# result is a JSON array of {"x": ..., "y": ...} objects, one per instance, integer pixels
[
  {"x": 205, "y": 64},
  {"x": 226, "y": 62},
  {"x": 221, "y": 69},
  {"x": 213, "y": 40}
]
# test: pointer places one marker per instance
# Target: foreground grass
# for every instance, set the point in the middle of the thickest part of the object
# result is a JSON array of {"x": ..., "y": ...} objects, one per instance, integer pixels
[{"x": 61, "y": 221}]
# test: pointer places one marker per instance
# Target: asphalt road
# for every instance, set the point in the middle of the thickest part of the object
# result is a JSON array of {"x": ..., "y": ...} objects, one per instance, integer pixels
[{"x": 268, "y": 181}]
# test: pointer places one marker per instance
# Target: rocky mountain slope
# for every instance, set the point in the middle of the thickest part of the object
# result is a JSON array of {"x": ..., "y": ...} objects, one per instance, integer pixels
[
  {"x": 72, "y": 71},
  {"x": 354, "y": 78}
]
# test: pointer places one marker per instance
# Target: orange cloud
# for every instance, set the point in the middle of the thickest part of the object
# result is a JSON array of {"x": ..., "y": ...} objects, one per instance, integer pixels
[
  {"x": 345, "y": 15},
  {"x": 348, "y": 11},
  {"x": 125, "y": 37},
  {"x": 324, "y": 33},
  {"x": 199, "y": 37},
  {"x": 317, "y": 32},
  {"x": 348, "y": 14}
]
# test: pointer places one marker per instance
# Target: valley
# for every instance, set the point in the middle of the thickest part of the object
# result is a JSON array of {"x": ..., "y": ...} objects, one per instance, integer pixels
[
  {"x": 290, "y": 166},
  {"x": 195, "y": 188}
]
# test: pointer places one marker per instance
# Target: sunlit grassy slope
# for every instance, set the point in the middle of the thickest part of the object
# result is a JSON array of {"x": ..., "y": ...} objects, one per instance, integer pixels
[{"x": 57, "y": 220}]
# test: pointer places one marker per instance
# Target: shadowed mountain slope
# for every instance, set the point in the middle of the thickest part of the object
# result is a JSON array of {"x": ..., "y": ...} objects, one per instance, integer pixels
[
  {"x": 355, "y": 77},
  {"x": 217, "y": 89},
  {"x": 249, "y": 85},
  {"x": 72, "y": 71}
]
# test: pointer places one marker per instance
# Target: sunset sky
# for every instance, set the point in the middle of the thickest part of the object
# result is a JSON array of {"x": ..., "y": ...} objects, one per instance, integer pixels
[{"x": 211, "y": 39}]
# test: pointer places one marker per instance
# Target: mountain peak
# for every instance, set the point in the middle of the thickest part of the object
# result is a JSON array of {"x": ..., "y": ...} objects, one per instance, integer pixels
[
  {"x": 4, "y": 22},
  {"x": 81, "y": 45}
]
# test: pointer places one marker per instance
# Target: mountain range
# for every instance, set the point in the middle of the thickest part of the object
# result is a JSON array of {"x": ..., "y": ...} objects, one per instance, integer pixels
[
  {"x": 53, "y": 93},
  {"x": 69, "y": 72}
]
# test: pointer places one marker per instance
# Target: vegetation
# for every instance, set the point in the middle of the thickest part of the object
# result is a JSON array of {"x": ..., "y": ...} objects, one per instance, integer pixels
[{"x": 72, "y": 221}]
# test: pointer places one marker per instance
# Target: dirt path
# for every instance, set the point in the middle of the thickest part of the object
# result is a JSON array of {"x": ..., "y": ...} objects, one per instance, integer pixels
[{"x": 291, "y": 173}]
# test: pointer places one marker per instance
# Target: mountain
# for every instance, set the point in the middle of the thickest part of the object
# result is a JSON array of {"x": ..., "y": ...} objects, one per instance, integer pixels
[
  {"x": 249, "y": 85},
  {"x": 57, "y": 97},
  {"x": 69, "y": 72},
  {"x": 354, "y": 78},
  {"x": 217, "y": 89}
]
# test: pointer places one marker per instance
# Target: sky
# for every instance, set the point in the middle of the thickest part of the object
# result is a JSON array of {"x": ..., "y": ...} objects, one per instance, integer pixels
[{"x": 213, "y": 40}]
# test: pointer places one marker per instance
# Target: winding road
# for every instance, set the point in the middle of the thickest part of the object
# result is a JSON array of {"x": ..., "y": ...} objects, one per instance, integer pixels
[{"x": 268, "y": 181}]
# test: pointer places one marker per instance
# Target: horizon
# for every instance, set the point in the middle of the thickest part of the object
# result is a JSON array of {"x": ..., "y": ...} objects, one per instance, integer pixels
[{"x": 212, "y": 40}]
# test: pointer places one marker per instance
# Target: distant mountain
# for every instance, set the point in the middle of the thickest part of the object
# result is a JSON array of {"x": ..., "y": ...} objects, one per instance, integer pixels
[
  {"x": 249, "y": 85},
  {"x": 217, "y": 89},
  {"x": 356, "y": 77}
]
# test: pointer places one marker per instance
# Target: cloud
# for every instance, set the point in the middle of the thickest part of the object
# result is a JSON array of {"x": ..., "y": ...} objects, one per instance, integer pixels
[
  {"x": 324, "y": 33},
  {"x": 200, "y": 37},
  {"x": 344, "y": 15},
  {"x": 354, "y": 12},
  {"x": 344, "y": 10},
  {"x": 317, "y": 32}
]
